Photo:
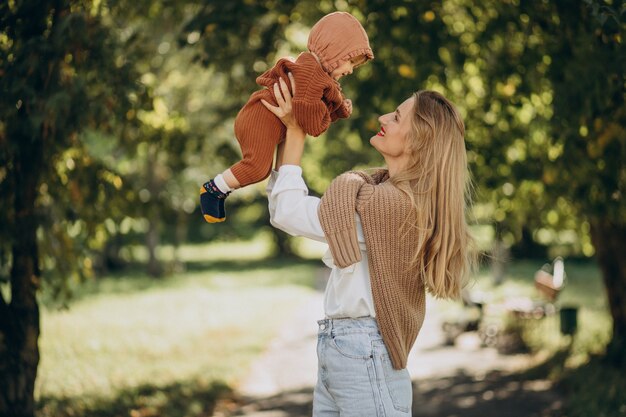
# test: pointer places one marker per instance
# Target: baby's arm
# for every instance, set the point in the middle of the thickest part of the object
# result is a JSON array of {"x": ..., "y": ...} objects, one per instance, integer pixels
[
  {"x": 269, "y": 77},
  {"x": 344, "y": 111},
  {"x": 309, "y": 106},
  {"x": 312, "y": 116}
]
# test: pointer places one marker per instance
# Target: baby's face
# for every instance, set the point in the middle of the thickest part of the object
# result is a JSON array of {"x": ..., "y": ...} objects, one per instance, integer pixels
[{"x": 346, "y": 67}]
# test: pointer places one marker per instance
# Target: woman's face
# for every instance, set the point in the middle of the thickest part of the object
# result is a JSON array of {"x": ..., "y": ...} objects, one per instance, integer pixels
[{"x": 392, "y": 139}]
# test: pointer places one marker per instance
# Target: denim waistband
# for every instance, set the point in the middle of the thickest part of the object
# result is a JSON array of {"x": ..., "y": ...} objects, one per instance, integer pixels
[{"x": 366, "y": 324}]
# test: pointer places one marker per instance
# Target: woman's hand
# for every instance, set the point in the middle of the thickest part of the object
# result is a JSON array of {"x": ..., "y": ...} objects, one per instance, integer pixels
[{"x": 283, "y": 99}]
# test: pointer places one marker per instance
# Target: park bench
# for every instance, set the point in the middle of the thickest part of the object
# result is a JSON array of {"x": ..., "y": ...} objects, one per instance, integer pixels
[
  {"x": 491, "y": 318},
  {"x": 549, "y": 281},
  {"x": 551, "y": 284}
]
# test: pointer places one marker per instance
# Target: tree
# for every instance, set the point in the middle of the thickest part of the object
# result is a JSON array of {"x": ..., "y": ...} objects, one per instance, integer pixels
[
  {"x": 59, "y": 75},
  {"x": 589, "y": 125},
  {"x": 571, "y": 59}
]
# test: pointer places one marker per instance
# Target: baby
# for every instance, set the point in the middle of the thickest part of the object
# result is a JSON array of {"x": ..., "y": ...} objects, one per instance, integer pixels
[{"x": 337, "y": 44}]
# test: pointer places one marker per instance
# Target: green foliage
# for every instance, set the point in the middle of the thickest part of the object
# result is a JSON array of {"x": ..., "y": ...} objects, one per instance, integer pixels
[
  {"x": 558, "y": 78},
  {"x": 143, "y": 95},
  {"x": 60, "y": 74}
]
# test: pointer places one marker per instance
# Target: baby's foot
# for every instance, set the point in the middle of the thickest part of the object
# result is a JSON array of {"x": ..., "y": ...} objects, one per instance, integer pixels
[{"x": 212, "y": 203}]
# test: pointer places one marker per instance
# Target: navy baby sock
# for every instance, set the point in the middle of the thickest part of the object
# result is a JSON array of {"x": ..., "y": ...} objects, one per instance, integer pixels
[{"x": 212, "y": 202}]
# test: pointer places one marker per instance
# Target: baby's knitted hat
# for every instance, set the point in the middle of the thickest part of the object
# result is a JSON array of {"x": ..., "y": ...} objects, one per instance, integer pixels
[{"x": 338, "y": 37}]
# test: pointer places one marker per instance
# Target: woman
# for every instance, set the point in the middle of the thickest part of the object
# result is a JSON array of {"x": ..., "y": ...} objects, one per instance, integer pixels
[{"x": 392, "y": 235}]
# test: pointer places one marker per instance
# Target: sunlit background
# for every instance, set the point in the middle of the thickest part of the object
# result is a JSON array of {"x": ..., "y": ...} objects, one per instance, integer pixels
[{"x": 113, "y": 113}]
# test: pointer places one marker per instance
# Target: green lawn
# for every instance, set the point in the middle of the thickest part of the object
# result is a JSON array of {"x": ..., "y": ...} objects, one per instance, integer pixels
[
  {"x": 128, "y": 340},
  {"x": 133, "y": 345}
]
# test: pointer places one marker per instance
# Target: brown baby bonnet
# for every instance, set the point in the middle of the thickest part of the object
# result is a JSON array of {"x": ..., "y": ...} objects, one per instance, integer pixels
[{"x": 338, "y": 37}]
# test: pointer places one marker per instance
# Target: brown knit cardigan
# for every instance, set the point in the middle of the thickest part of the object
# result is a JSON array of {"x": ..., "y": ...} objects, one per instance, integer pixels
[{"x": 397, "y": 288}]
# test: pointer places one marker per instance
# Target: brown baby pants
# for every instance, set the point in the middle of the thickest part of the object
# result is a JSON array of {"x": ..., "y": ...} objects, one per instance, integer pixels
[{"x": 258, "y": 132}]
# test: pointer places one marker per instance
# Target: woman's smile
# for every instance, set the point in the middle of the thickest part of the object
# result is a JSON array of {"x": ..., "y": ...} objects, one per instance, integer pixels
[{"x": 382, "y": 131}]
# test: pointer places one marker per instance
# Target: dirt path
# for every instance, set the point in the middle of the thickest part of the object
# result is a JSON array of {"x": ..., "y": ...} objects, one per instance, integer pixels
[{"x": 464, "y": 380}]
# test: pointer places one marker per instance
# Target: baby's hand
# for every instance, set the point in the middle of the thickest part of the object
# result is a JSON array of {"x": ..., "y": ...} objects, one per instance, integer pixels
[{"x": 347, "y": 103}]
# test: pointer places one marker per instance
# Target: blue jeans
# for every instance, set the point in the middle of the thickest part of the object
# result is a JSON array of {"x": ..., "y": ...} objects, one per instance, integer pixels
[{"x": 354, "y": 373}]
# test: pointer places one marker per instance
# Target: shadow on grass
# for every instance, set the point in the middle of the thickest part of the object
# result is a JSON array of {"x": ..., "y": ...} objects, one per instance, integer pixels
[
  {"x": 596, "y": 388},
  {"x": 188, "y": 399},
  {"x": 524, "y": 394},
  {"x": 553, "y": 367},
  {"x": 133, "y": 277},
  {"x": 493, "y": 395},
  {"x": 593, "y": 389},
  {"x": 138, "y": 269},
  {"x": 251, "y": 265},
  {"x": 297, "y": 403}
]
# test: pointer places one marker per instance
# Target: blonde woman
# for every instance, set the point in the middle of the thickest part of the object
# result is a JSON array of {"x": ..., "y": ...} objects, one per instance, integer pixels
[{"x": 393, "y": 235}]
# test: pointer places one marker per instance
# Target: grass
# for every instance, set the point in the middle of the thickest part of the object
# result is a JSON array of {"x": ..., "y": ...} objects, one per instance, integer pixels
[
  {"x": 595, "y": 389},
  {"x": 192, "y": 398},
  {"x": 134, "y": 346},
  {"x": 129, "y": 342}
]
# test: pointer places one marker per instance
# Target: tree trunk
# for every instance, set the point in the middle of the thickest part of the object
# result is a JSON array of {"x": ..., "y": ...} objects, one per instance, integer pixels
[
  {"x": 180, "y": 233},
  {"x": 19, "y": 316},
  {"x": 610, "y": 243},
  {"x": 527, "y": 247},
  {"x": 153, "y": 238},
  {"x": 155, "y": 269},
  {"x": 500, "y": 258},
  {"x": 283, "y": 244}
]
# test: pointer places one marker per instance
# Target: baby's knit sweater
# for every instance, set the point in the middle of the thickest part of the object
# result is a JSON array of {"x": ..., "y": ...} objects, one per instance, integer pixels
[
  {"x": 398, "y": 290},
  {"x": 318, "y": 100}
]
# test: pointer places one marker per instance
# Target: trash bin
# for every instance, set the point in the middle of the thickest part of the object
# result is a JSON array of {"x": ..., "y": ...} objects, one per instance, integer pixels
[{"x": 569, "y": 320}]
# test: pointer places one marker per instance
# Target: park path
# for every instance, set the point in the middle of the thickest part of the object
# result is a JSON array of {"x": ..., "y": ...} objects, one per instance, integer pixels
[{"x": 448, "y": 380}]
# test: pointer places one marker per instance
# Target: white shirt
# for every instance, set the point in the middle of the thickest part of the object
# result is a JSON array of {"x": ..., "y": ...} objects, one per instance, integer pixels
[{"x": 348, "y": 292}]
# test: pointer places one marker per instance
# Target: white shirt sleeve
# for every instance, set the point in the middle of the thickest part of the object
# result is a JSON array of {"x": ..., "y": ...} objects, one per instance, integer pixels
[
  {"x": 349, "y": 292},
  {"x": 291, "y": 208},
  {"x": 268, "y": 189}
]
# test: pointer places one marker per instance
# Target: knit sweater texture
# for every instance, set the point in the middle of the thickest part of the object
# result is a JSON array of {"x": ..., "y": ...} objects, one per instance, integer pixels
[
  {"x": 317, "y": 102},
  {"x": 398, "y": 290}
]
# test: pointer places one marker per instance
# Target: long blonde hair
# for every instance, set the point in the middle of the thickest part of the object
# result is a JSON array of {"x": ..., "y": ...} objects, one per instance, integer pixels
[{"x": 436, "y": 179}]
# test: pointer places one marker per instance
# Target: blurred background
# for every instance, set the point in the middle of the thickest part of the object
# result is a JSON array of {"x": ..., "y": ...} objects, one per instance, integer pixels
[{"x": 117, "y": 299}]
